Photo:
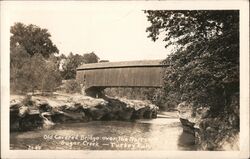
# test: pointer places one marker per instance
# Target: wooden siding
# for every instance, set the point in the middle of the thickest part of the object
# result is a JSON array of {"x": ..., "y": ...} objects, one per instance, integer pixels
[
  {"x": 148, "y": 76},
  {"x": 144, "y": 73}
]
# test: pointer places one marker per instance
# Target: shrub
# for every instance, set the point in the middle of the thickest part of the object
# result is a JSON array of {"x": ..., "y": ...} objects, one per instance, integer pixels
[
  {"x": 72, "y": 86},
  {"x": 28, "y": 74}
]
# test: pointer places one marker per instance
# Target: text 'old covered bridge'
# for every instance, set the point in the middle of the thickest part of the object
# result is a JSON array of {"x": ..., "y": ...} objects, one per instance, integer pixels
[{"x": 98, "y": 76}]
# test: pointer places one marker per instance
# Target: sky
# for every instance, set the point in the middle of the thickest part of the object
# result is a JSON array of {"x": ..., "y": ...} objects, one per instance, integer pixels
[{"x": 113, "y": 31}]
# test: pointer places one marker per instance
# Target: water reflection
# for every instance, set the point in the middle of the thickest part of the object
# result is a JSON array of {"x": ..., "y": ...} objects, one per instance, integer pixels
[
  {"x": 186, "y": 141},
  {"x": 156, "y": 134}
]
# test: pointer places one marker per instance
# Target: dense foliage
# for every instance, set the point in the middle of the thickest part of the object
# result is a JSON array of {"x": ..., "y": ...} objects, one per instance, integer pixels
[
  {"x": 71, "y": 62},
  {"x": 72, "y": 86},
  {"x": 181, "y": 27},
  {"x": 204, "y": 69},
  {"x": 132, "y": 93},
  {"x": 33, "y": 39},
  {"x": 155, "y": 95},
  {"x": 33, "y": 65},
  {"x": 30, "y": 73}
]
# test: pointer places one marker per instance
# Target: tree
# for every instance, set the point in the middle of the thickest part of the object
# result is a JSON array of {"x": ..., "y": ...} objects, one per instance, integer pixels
[
  {"x": 29, "y": 74},
  {"x": 71, "y": 63},
  {"x": 25, "y": 75},
  {"x": 183, "y": 27},
  {"x": 37, "y": 71},
  {"x": 51, "y": 78},
  {"x": 19, "y": 62},
  {"x": 33, "y": 65},
  {"x": 204, "y": 69},
  {"x": 33, "y": 38},
  {"x": 91, "y": 58}
]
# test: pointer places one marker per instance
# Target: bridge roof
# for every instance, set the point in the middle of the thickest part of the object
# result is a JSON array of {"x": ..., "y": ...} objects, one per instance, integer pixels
[{"x": 122, "y": 64}]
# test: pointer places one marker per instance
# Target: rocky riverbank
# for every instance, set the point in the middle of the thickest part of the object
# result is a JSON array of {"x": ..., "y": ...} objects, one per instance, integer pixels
[
  {"x": 32, "y": 112},
  {"x": 219, "y": 132}
]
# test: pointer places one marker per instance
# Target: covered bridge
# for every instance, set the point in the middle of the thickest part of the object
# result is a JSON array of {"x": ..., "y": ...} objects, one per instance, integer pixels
[{"x": 95, "y": 77}]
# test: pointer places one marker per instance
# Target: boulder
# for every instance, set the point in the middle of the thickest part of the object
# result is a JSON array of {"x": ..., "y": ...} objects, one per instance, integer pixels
[
  {"x": 87, "y": 102},
  {"x": 23, "y": 110},
  {"x": 15, "y": 104},
  {"x": 190, "y": 116},
  {"x": 97, "y": 113},
  {"x": 125, "y": 114}
]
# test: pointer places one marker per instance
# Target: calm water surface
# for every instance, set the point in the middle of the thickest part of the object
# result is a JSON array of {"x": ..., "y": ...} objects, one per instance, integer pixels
[{"x": 153, "y": 134}]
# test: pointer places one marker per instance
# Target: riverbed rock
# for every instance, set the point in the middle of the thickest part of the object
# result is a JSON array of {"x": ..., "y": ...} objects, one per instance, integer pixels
[
  {"x": 87, "y": 102},
  {"x": 15, "y": 104},
  {"x": 220, "y": 132},
  {"x": 190, "y": 116},
  {"x": 39, "y": 111},
  {"x": 23, "y": 110}
]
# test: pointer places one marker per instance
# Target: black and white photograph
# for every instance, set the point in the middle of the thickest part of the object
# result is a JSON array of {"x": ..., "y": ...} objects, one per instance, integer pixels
[{"x": 124, "y": 79}]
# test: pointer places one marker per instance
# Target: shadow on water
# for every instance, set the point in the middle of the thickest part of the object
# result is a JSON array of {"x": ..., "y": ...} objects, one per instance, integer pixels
[{"x": 186, "y": 141}]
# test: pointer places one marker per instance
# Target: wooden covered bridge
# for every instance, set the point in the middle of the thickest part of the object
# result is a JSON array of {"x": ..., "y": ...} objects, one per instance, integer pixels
[{"x": 95, "y": 77}]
